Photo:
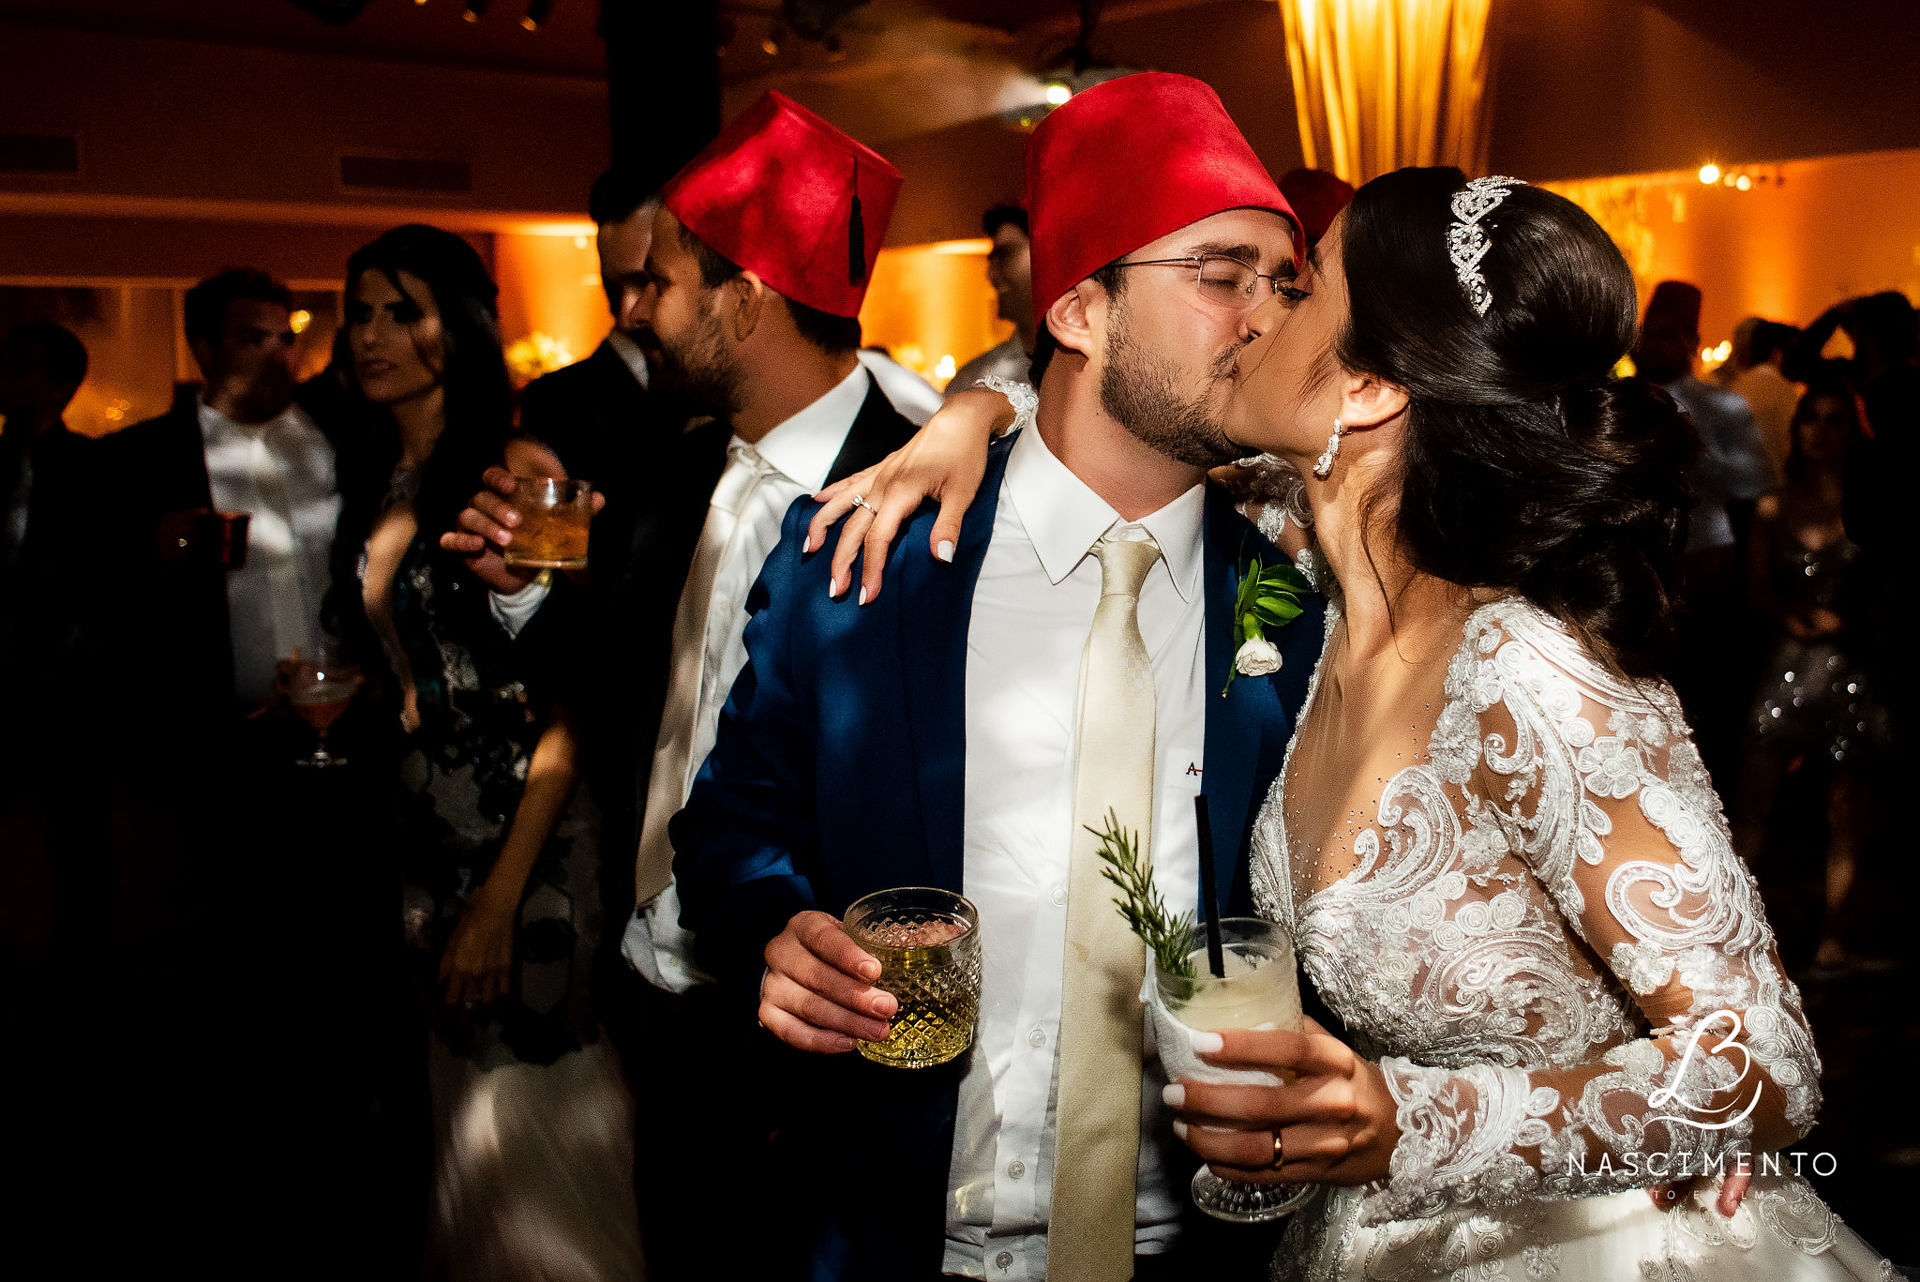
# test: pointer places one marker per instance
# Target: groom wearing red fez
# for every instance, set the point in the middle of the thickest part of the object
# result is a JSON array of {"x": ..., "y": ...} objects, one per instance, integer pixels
[
  {"x": 761, "y": 255},
  {"x": 960, "y": 729}
]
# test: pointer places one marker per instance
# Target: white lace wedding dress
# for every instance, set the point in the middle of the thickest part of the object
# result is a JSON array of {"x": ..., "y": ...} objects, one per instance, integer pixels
[{"x": 1528, "y": 912}]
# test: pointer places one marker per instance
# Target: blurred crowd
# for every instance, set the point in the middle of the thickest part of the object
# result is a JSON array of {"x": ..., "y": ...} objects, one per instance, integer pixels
[{"x": 222, "y": 953}]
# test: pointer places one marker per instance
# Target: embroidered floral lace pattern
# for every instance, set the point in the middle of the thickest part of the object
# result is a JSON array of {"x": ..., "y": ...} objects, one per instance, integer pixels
[
  {"x": 1544, "y": 936},
  {"x": 1025, "y": 401}
]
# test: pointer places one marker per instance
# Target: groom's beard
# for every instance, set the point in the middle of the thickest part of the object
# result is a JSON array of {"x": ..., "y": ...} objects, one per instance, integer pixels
[
  {"x": 698, "y": 371},
  {"x": 1140, "y": 390}
]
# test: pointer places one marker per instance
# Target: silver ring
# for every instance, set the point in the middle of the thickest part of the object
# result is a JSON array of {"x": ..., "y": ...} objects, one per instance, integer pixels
[{"x": 860, "y": 500}]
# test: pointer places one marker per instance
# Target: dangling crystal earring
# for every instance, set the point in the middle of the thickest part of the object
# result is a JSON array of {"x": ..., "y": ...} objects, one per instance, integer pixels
[{"x": 1323, "y": 465}]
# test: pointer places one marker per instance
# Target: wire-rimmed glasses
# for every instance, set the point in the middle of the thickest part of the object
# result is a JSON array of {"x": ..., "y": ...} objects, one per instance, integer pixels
[{"x": 1226, "y": 281}]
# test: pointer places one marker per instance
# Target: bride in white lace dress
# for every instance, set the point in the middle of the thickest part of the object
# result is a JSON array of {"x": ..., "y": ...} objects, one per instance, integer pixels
[{"x": 1493, "y": 843}]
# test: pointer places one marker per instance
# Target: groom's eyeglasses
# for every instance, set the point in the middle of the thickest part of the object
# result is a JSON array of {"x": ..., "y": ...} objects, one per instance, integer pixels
[{"x": 1228, "y": 282}]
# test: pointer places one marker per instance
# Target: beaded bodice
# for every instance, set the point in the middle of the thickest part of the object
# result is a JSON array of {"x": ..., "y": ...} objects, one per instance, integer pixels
[{"x": 1541, "y": 930}]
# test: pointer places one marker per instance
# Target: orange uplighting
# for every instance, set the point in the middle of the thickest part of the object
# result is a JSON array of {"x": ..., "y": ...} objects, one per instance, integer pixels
[
  {"x": 931, "y": 307},
  {"x": 551, "y": 304}
]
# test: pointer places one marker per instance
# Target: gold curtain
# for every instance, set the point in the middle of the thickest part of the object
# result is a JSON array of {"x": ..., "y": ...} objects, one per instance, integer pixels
[{"x": 1381, "y": 84}]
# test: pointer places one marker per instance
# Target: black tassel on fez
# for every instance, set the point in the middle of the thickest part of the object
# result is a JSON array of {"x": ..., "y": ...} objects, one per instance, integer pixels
[{"x": 856, "y": 234}]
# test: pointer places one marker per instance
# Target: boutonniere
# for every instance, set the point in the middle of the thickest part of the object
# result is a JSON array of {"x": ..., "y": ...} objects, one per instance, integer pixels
[{"x": 1269, "y": 598}]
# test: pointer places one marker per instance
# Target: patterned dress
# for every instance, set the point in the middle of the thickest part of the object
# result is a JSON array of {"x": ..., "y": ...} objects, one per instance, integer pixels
[
  {"x": 533, "y": 1122},
  {"x": 462, "y": 776},
  {"x": 1818, "y": 698},
  {"x": 1531, "y": 915}
]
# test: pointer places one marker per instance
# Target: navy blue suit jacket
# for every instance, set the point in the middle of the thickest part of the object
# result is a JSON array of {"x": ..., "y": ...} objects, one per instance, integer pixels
[{"x": 840, "y": 770}]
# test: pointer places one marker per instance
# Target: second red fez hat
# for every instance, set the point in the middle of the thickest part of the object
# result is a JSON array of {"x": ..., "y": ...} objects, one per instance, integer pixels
[
  {"x": 1124, "y": 163},
  {"x": 1317, "y": 198},
  {"x": 794, "y": 200}
]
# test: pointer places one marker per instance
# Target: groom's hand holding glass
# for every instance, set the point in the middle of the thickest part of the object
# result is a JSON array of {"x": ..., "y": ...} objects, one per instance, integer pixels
[
  {"x": 1332, "y": 1124},
  {"x": 818, "y": 992}
]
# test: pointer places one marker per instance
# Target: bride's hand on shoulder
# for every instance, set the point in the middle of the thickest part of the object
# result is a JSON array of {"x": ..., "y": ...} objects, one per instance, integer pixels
[
  {"x": 1334, "y": 1120},
  {"x": 945, "y": 460}
]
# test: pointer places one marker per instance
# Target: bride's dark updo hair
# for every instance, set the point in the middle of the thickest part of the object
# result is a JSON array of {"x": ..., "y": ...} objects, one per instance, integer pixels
[{"x": 1527, "y": 465}]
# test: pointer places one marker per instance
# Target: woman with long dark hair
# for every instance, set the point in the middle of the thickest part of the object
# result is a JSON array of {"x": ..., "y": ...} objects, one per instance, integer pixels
[
  {"x": 1819, "y": 701},
  {"x": 502, "y": 905},
  {"x": 1493, "y": 841}
]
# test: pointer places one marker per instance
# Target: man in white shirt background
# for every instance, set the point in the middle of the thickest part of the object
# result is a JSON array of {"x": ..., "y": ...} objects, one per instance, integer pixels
[
  {"x": 936, "y": 736},
  {"x": 757, "y": 283},
  {"x": 215, "y": 611}
]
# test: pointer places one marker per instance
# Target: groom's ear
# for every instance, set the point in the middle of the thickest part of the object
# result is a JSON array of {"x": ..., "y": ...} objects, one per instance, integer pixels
[
  {"x": 1069, "y": 322},
  {"x": 1368, "y": 402}
]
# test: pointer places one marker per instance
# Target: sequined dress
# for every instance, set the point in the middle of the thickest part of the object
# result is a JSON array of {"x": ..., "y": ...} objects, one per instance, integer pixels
[
  {"x": 1528, "y": 916},
  {"x": 1818, "y": 698}
]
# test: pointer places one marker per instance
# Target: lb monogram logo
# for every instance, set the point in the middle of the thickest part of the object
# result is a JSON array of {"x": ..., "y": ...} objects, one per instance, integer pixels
[{"x": 1704, "y": 1118}]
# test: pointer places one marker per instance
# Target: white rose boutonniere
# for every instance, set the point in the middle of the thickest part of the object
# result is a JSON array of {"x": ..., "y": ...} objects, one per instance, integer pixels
[
  {"x": 1269, "y": 597},
  {"x": 1258, "y": 657}
]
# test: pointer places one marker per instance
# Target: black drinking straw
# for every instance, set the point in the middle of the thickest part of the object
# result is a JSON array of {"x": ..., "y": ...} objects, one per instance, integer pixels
[{"x": 1209, "y": 896}]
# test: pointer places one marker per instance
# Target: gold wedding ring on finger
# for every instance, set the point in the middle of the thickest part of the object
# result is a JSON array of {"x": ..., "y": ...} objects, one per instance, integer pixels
[{"x": 1279, "y": 1155}]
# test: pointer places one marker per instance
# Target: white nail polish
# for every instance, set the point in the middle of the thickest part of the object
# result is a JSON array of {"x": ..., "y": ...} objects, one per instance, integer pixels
[
  {"x": 863, "y": 596},
  {"x": 833, "y": 587},
  {"x": 1174, "y": 1095},
  {"x": 1206, "y": 1043},
  {"x": 945, "y": 550},
  {"x": 1180, "y": 1129}
]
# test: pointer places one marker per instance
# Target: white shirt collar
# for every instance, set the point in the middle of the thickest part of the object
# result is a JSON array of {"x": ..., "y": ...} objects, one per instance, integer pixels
[
  {"x": 1064, "y": 517},
  {"x": 214, "y": 423},
  {"x": 804, "y": 447},
  {"x": 629, "y": 351}
]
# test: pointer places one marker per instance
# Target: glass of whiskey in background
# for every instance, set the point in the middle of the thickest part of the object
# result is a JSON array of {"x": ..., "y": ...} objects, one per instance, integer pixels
[{"x": 554, "y": 517}]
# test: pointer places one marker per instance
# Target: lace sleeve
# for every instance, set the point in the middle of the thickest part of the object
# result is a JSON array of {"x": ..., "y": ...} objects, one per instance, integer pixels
[
  {"x": 1595, "y": 786},
  {"x": 1025, "y": 401}
]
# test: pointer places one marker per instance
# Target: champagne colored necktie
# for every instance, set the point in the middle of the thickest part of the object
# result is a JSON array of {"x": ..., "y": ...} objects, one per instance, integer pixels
[
  {"x": 672, "y": 771},
  {"x": 1090, "y": 1238}
]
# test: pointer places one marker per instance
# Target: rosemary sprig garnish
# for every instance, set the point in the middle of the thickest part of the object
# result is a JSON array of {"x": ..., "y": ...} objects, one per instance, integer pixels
[{"x": 1143, "y": 907}]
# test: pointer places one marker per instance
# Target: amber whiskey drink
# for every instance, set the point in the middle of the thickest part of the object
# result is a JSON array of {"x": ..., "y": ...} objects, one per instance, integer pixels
[
  {"x": 928, "y": 944},
  {"x": 554, "y": 521}
]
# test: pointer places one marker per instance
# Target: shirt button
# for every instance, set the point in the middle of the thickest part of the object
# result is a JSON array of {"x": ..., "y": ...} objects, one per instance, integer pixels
[
  {"x": 1037, "y": 1038},
  {"x": 1004, "y": 1260},
  {"x": 1016, "y": 1168},
  {"x": 1059, "y": 896}
]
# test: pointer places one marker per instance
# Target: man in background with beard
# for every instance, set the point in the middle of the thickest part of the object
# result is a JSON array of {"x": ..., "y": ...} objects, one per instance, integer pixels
[
  {"x": 761, "y": 251},
  {"x": 961, "y": 728}
]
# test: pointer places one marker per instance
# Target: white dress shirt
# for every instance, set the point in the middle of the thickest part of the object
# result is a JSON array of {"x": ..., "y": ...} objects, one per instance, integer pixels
[
  {"x": 629, "y": 351},
  {"x": 796, "y": 455},
  {"x": 1032, "y": 612},
  {"x": 280, "y": 472}
]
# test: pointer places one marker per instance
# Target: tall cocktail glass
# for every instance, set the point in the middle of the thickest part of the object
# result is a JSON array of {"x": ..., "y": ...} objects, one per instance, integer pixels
[{"x": 1261, "y": 990}]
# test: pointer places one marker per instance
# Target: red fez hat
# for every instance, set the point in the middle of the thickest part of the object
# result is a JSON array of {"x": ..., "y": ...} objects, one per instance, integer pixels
[
  {"x": 792, "y": 199},
  {"x": 1317, "y": 197},
  {"x": 1124, "y": 163},
  {"x": 1676, "y": 300}
]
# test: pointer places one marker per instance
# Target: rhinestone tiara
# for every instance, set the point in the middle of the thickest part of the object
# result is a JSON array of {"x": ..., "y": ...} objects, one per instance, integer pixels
[{"x": 1467, "y": 242}]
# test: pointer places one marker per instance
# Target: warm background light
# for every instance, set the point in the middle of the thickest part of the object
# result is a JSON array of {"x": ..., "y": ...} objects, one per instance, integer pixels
[
  {"x": 1391, "y": 83},
  {"x": 930, "y": 306},
  {"x": 1769, "y": 249},
  {"x": 552, "y": 308}
]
